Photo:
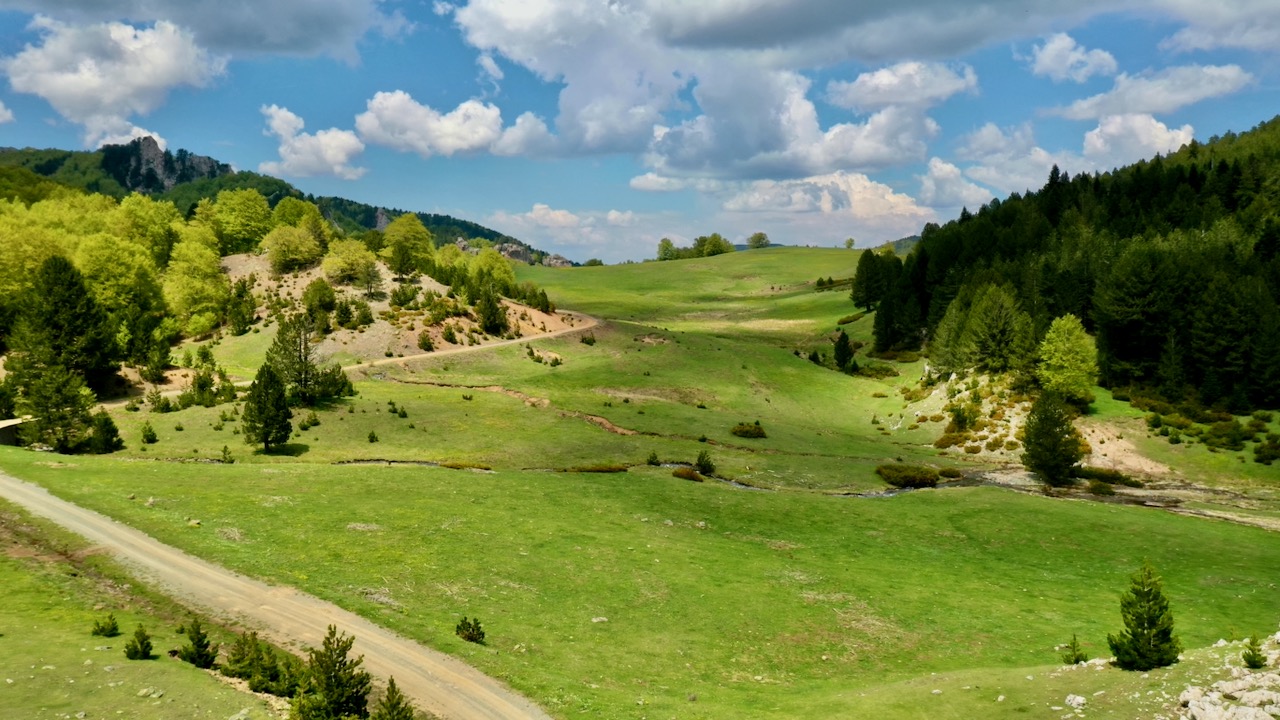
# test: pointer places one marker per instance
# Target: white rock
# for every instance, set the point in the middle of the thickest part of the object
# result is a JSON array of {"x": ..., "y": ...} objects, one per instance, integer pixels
[
  {"x": 1246, "y": 713},
  {"x": 1190, "y": 695},
  {"x": 599, "y": 619},
  {"x": 1000, "y": 699},
  {"x": 1075, "y": 701},
  {"x": 1220, "y": 643},
  {"x": 936, "y": 692},
  {"x": 1258, "y": 698}
]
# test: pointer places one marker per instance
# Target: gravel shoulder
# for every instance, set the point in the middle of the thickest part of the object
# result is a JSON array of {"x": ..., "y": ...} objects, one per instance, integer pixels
[{"x": 438, "y": 683}]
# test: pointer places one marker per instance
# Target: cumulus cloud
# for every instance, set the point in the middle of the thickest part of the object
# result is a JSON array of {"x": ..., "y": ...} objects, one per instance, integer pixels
[
  {"x": 98, "y": 76},
  {"x": 944, "y": 186},
  {"x": 396, "y": 120},
  {"x": 909, "y": 83},
  {"x": 1122, "y": 139},
  {"x": 620, "y": 218},
  {"x": 528, "y": 136},
  {"x": 852, "y": 194},
  {"x": 1160, "y": 92},
  {"x": 1060, "y": 58},
  {"x": 6, "y": 115},
  {"x": 327, "y": 152},
  {"x": 297, "y": 27}
]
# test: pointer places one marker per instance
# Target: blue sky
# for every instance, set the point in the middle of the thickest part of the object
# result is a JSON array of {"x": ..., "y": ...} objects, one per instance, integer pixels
[{"x": 594, "y": 128}]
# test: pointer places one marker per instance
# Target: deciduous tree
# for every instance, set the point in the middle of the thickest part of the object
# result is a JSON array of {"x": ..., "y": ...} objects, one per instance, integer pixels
[{"x": 1068, "y": 360}]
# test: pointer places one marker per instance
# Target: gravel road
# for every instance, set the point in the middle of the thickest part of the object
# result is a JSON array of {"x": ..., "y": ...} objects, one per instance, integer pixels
[{"x": 437, "y": 683}]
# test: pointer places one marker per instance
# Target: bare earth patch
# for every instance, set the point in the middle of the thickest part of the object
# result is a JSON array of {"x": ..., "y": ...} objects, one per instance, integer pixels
[{"x": 1111, "y": 450}]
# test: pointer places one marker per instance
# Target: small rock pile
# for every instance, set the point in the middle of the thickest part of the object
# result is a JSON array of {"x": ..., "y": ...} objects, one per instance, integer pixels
[{"x": 1248, "y": 695}]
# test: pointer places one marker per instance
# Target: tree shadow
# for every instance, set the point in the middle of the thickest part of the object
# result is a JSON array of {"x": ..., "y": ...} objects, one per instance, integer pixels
[{"x": 287, "y": 449}]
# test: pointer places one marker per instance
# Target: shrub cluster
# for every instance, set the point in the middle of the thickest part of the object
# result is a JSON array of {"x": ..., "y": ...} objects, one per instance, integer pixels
[
  {"x": 851, "y": 318},
  {"x": 1104, "y": 475},
  {"x": 139, "y": 647},
  {"x": 908, "y": 476},
  {"x": 470, "y": 630},
  {"x": 749, "y": 430},
  {"x": 266, "y": 669},
  {"x": 106, "y": 628}
]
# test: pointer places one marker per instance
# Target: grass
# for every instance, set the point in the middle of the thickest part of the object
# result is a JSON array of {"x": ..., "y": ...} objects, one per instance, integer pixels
[
  {"x": 759, "y": 604},
  {"x": 51, "y": 665}
]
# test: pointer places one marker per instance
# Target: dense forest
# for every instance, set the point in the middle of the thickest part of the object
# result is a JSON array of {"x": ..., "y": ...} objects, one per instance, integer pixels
[{"x": 1173, "y": 264}]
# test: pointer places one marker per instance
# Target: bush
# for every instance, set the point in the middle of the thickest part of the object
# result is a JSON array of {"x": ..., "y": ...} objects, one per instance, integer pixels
[
  {"x": 687, "y": 473},
  {"x": 1252, "y": 655},
  {"x": 902, "y": 475},
  {"x": 1097, "y": 487},
  {"x": 748, "y": 430},
  {"x": 373, "y": 436},
  {"x": 199, "y": 651},
  {"x": 1074, "y": 654},
  {"x": 139, "y": 648},
  {"x": 950, "y": 472},
  {"x": 424, "y": 341},
  {"x": 851, "y": 318},
  {"x": 703, "y": 464},
  {"x": 470, "y": 630},
  {"x": 1266, "y": 452},
  {"x": 149, "y": 434},
  {"x": 266, "y": 669},
  {"x": 588, "y": 339},
  {"x": 1105, "y": 475},
  {"x": 106, "y": 628},
  {"x": 653, "y": 459},
  {"x": 950, "y": 439}
]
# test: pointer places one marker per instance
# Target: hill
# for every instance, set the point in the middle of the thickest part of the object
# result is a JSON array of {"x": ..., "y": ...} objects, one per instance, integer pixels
[{"x": 185, "y": 179}]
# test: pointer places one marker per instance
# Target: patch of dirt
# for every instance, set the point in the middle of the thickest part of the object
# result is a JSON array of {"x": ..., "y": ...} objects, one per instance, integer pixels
[
  {"x": 1111, "y": 450},
  {"x": 651, "y": 339},
  {"x": 364, "y": 527}
]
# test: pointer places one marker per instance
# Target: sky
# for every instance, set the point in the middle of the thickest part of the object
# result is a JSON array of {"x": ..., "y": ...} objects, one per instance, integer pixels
[{"x": 594, "y": 128}]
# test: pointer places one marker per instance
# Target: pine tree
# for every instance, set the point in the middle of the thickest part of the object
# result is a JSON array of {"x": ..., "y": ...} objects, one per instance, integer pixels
[
  {"x": 866, "y": 282},
  {"x": 293, "y": 356},
  {"x": 139, "y": 648},
  {"x": 1148, "y": 641},
  {"x": 105, "y": 436},
  {"x": 335, "y": 686},
  {"x": 394, "y": 705},
  {"x": 1052, "y": 443},
  {"x": 843, "y": 351},
  {"x": 199, "y": 651},
  {"x": 266, "y": 410},
  {"x": 491, "y": 313},
  {"x": 59, "y": 404},
  {"x": 1252, "y": 657}
]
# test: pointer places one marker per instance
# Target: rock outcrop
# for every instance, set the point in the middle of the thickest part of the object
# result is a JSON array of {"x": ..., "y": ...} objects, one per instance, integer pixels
[{"x": 143, "y": 166}]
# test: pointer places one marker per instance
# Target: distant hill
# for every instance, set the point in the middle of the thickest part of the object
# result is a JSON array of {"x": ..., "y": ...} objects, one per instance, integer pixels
[
  {"x": 902, "y": 246},
  {"x": 185, "y": 178}
]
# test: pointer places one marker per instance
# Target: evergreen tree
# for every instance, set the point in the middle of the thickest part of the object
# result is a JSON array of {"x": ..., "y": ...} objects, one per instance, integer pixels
[
  {"x": 1000, "y": 332},
  {"x": 138, "y": 648},
  {"x": 843, "y": 351},
  {"x": 394, "y": 705},
  {"x": 866, "y": 281},
  {"x": 104, "y": 436},
  {"x": 491, "y": 313},
  {"x": 335, "y": 687},
  {"x": 241, "y": 307},
  {"x": 1147, "y": 641},
  {"x": 293, "y": 356},
  {"x": 1252, "y": 656},
  {"x": 1052, "y": 443},
  {"x": 266, "y": 410},
  {"x": 58, "y": 403},
  {"x": 1068, "y": 361},
  {"x": 199, "y": 651}
]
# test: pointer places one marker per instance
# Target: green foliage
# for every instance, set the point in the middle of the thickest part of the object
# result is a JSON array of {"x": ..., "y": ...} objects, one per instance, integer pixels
[
  {"x": 335, "y": 685},
  {"x": 373, "y": 436},
  {"x": 1105, "y": 475},
  {"x": 265, "y": 668},
  {"x": 1068, "y": 361},
  {"x": 1147, "y": 641},
  {"x": 104, "y": 436},
  {"x": 106, "y": 628},
  {"x": 1074, "y": 654},
  {"x": 243, "y": 218},
  {"x": 869, "y": 281},
  {"x": 843, "y": 353},
  {"x": 703, "y": 246},
  {"x": 653, "y": 459},
  {"x": 393, "y": 705},
  {"x": 1097, "y": 487},
  {"x": 138, "y": 647},
  {"x": 749, "y": 430},
  {"x": 704, "y": 464},
  {"x": 908, "y": 476},
  {"x": 293, "y": 356},
  {"x": 1252, "y": 656},
  {"x": 149, "y": 434},
  {"x": 290, "y": 249},
  {"x": 470, "y": 630},
  {"x": 199, "y": 651},
  {"x": 424, "y": 341},
  {"x": 1051, "y": 441},
  {"x": 348, "y": 262},
  {"x": 490, "y": 313},
  {"x": 687, "y": 473},
  {"x": 266, "y": 410},
  {"x": 758, "y": 241},
  {"x": 59, "y": 404}
]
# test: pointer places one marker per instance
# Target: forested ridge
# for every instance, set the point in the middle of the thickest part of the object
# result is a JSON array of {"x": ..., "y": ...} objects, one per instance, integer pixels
[
  {"x": 1173, "y": 264},
  {"x": 185, "y": 179}
]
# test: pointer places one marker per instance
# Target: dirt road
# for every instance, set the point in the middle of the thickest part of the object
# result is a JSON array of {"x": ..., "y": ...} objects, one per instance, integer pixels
[{"x": 436, "y": 682}]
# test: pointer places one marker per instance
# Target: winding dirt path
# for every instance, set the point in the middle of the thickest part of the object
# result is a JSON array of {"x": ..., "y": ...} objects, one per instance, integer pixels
[{"x": 437, "y": 683}]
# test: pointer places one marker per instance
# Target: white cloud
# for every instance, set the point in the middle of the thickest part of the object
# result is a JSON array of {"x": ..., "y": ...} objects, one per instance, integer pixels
[
  {"x": 6, "y": 115},
  {"x": 1062, "y": 58},
  {"x": 296, "y": 27},
  {"x": 1122, "y": 139},
  {"x": 98, "y": 76},
  {"x": 944, "y": 186},
  {"x": 396, "y": 120},
  {"x": 852, "y": 194},
  {"x": 327, "y": 152},
  {"x": 489, "y": 66},
  {"x": 913, "y": 83},
  {"x": 1245, "y": 24},
  {"x": 620, "y": 218},
  {"x": 1160, "y": 92},
  {"x": 528, "y": 136}
]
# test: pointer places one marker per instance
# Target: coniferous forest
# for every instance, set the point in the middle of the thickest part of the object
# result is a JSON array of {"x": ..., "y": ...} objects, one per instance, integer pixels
[{"x": 1172, "y": 263}]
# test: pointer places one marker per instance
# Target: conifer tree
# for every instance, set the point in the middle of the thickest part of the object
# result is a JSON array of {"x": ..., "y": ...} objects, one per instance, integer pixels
[
  {"x": 266, "y": 410},
  {"x": 1052, "y": 443},
  {"x": 394, "y": 705},
  {"x": 843, "y": 351},
  {"x": 58, "y": 403},
  {"x": 866, "y": 281},
  {"x": 139, "y": 648},
  {"x": 199, "y": 651},
  {"x": 1147, "y": 641},
  {"x": 105, "y": 436},
  {"x": 335, "y": 685}
]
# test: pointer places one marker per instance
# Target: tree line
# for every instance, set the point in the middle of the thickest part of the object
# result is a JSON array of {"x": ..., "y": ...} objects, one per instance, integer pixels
[{"x": 1173, "y": 264}]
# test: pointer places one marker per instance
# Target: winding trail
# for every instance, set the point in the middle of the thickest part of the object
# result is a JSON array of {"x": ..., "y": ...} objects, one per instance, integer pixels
[{"x": 438, "y": 683}]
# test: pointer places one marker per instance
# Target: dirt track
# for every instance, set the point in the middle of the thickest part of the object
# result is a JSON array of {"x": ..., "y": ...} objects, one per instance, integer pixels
[{"x": 436, "y": 682}]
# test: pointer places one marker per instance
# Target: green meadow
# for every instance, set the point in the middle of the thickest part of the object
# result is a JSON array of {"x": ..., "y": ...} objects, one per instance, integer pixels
[{"x": 787, "y": 586}]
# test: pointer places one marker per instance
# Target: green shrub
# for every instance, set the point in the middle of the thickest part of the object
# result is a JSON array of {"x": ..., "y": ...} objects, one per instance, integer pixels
[
  {"x": 1252, "y": 655},
  {"x": 1104, "y": 475},
  {"x": 149, "y": 434},
  {"x": 1268, "y": 451},
  {"x": 703, "y": 464},
  {"x": 950, "y": 472},
  {"x": 749, "y": 430},
  {"x": 199, "y": 651},
  {"x": 588, "y": 339},
  {"x": 106, "y": 628},
  {"x": 424, "y": 341},
  {"x": 1263, "y": 416},
  {"x": 908, "y": 476},
  {"x": 653, "y": 459},
  {"x": 1097, "y": 487},
  {"x": 373, "y": 436},
  {"x": 470, "y": 630},
  {"x": 687, "y": 473},
  {"x": 1074, "y": 654},
  {"x": 851, "y": 318},
  {"x": 951, "y": 439},
  {"x": 139, "y": 648},
  {"x": 266, "y": 669}
]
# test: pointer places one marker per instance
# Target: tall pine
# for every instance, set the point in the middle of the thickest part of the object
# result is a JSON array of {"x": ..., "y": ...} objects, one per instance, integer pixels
[
  {"x": 335, "y": 686},
  {"x": 1147, "y": 641},
  {"x": 266, "y": 410},
  {"x": 394, "y": 705}
]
